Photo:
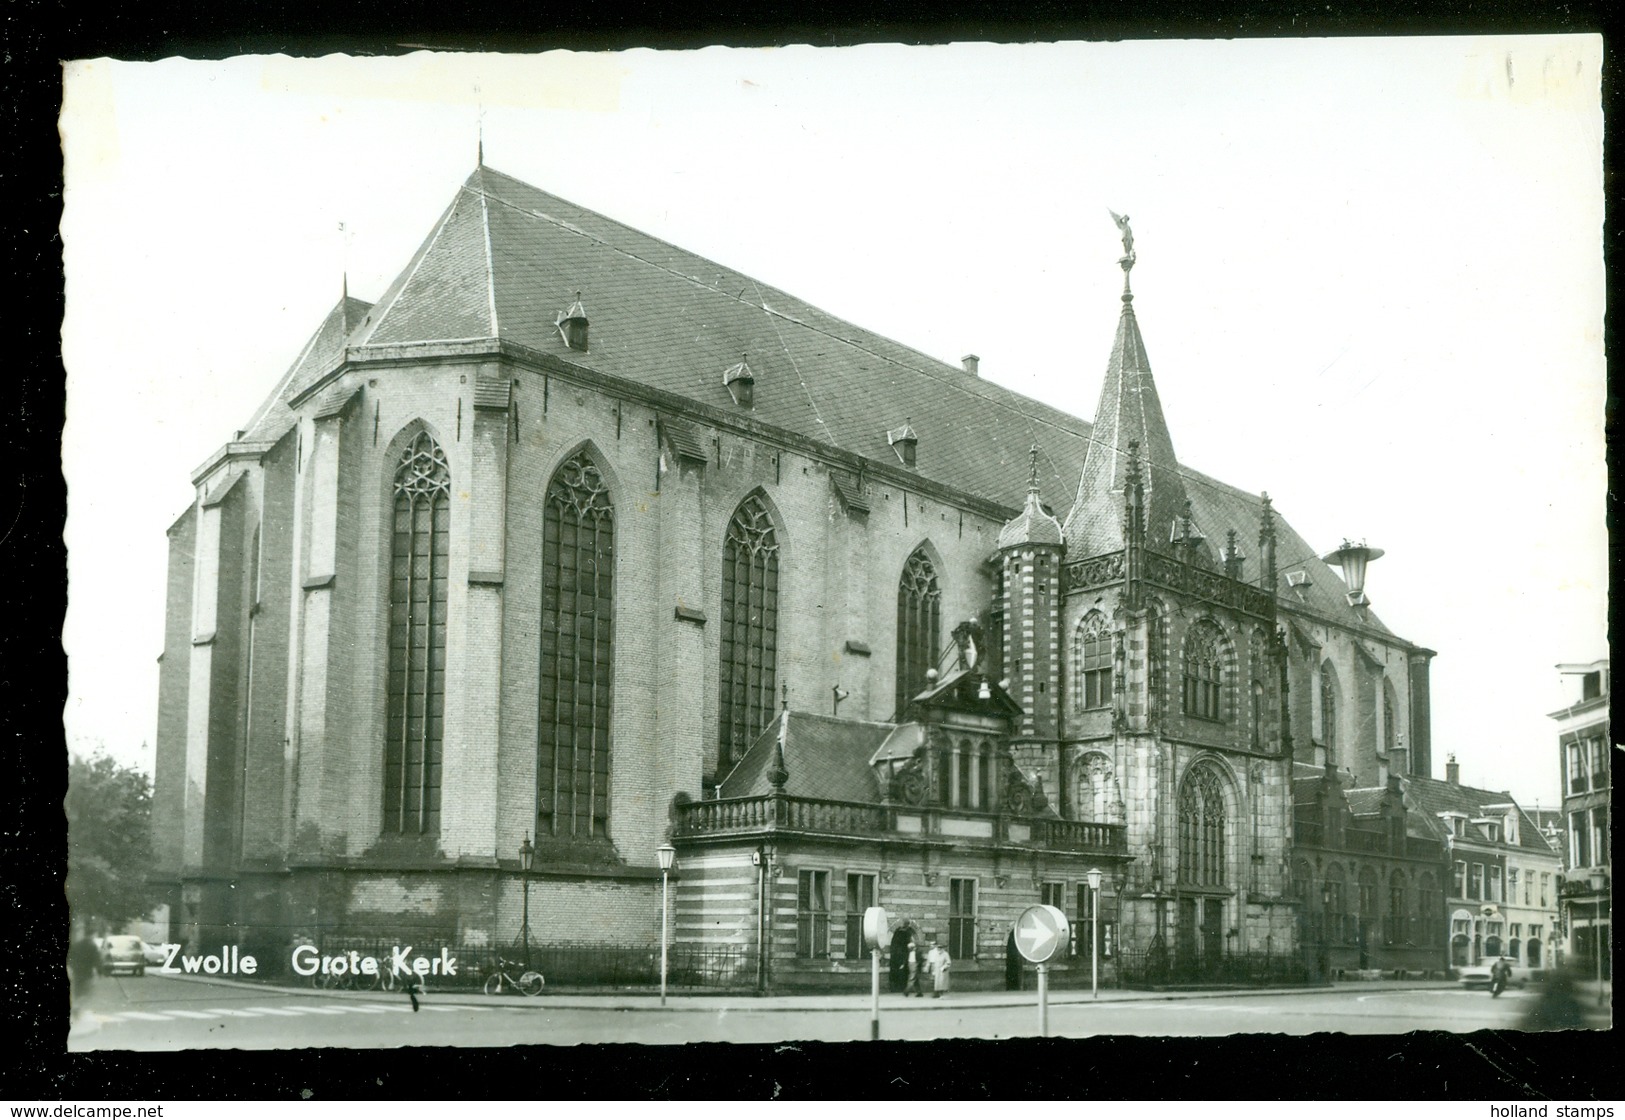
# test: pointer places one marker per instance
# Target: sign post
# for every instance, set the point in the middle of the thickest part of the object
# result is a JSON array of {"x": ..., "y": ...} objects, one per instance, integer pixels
[
  {"x": 874, "y": 932},
  {"x": 1040, "y": 933}
]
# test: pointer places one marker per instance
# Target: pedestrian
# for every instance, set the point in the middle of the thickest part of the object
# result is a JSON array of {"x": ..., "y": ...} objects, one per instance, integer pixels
[
  {"x": 939, "y": 962},
  {"x": 1500, "y": 972},
  {"x": 84, "y": 959},
  {"x": 912, "y": 985}
]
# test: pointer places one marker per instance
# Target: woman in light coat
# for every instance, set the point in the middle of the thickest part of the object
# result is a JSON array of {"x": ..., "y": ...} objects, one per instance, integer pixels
[{"x": 939, "y": 962}]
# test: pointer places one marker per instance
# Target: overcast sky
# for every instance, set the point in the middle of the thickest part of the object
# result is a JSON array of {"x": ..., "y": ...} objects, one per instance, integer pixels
[{"x": 1370, "y": 281}]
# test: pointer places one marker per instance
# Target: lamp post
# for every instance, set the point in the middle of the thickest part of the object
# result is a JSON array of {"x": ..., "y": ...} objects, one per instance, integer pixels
[
  {"x": 666, "y": 854},
  {"x": 1597, "y": 880},
  {"x": 1325, "y": 931},
  {"x": 1094, "y": 930},
  {"x": 527, "y": 855}
]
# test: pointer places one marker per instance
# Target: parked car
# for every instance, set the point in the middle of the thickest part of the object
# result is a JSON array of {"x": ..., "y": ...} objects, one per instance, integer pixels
[
  {"x": 122, "y": 952},
  {"x": 153, "y": 954},
  {"x": 1478, "y": 976}
]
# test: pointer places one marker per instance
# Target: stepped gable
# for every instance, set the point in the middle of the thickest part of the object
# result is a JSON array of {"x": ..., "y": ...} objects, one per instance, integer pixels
[
  {"x": 827, "y": 758},
  {"x": 505, "y": 258}
]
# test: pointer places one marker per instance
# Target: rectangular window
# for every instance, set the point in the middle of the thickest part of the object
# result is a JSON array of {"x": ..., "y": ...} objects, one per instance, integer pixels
[
  {"x": 1516, "y": 930},
  {"x": 1054, "y": 894},
  {"x": 1579, "y": 841},
  {"x": 962, "y": 919},
  {"x": 1475, "y": 886},
  {"x": 1461, "y": 877},
  {"x": 1545, "y": 883},
  {"x": 1577, "y": 767},
  {"x": 1527, "y": 881},
  {"x": 1097, "y": 687},
  {"x": 1495, "y": 884},
  {"x": 1512, "y": 885},
  {"x": 812, "y": 915},
  {"x": 1599, "y": 764},
  {"x": 1599, "y": 832},
  {"x": 860, "y": 895}
]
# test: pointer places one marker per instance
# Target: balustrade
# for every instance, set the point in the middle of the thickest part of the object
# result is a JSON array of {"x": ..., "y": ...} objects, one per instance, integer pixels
[{"x": 766, "y": 812}]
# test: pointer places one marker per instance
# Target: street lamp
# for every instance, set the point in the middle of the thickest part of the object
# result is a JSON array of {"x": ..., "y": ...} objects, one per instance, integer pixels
[
  {"x": 1094, "y": 929},
  {"x": 666, "y": 854},
  {"x": 527, "y": 856},
  {"x": 1325, "y": 931},
  {"x": 1597, "y": 880}
]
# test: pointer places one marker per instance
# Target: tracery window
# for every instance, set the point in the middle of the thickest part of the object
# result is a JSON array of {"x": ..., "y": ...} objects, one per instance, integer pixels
[
  {"x": 1335, "y": 903},
  {"x": 1390, "y": 734},
  {"x": 1395, "y": 923},
  {"x": 1204, "y": 672},
  {"x": 415, "y": 724},
  {"x": 919, "y": 626},
  {"x": 1328, "y": 711},
  {"x": 578, "y": 653},
  {"x": 1092, "y": 656},
  {"x": 750, "y": 627},
  {"x": 1201, "y": 828}
]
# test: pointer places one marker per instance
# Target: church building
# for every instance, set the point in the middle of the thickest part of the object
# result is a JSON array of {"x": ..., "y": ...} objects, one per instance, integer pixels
[{"x": 577, "y": 544}]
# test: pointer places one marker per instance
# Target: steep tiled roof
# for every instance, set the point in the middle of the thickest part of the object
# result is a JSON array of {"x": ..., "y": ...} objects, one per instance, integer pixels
[
  {"x": 320, "y": 354},
  {"x": 505, "y": 258},
  {"x": 1432, "y": 796},
  {"x": 826, "y": 758}
]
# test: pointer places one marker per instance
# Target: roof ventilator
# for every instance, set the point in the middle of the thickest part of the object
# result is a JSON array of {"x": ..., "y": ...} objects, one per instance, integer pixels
[
  {"x": 572, "y": 325},
  {"x": 740, "y": 383},
  {"x": 904, "y": 441}
]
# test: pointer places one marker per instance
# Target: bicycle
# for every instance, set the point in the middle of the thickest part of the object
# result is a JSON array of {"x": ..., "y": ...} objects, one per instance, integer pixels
[{"x": 530, "y": 982}]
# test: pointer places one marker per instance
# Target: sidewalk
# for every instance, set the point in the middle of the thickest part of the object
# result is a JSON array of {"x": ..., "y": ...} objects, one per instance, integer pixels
[{"x": 846, "y": 1002}]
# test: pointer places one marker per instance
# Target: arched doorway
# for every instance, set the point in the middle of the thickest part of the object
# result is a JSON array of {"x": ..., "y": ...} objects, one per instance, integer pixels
[{"x": 1532, "y": 952}]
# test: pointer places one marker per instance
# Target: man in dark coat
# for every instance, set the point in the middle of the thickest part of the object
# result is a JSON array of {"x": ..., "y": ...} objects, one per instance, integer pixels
[{"x": 83, "y": 961}]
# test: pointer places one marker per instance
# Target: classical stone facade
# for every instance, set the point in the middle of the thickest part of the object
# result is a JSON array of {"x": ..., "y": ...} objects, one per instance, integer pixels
[{"x": 565, "y": 538}]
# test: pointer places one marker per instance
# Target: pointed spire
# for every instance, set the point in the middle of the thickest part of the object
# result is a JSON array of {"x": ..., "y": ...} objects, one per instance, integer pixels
[
  {"x": 344, "y": 302},
  {"x": 1034, "y": 524},
  {"x": 1266, "y": 545},
  {"x": 777, "y": 772},
  {"x": 1129, "y": 411}
]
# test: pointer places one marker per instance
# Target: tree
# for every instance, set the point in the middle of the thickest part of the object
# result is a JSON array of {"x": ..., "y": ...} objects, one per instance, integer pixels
[{"x": 109, "y": 810}]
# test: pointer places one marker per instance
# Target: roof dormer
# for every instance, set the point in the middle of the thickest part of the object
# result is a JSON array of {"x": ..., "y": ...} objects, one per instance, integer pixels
[
  {"x": 740, "y": 383},
  {"x": 905, "y": 442},
  {"x": 572, "y": 325}
]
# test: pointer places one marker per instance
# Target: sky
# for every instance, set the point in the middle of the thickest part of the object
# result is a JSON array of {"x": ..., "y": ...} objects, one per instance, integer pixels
[{"x": 1370, "y": 281}]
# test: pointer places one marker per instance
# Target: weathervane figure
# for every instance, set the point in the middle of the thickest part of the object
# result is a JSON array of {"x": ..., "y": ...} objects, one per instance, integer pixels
[{"x": 1128, "y": 234}]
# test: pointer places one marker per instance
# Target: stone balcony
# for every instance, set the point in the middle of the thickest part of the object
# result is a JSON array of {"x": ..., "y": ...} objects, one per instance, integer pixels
[{"x": 780, "y": 815}]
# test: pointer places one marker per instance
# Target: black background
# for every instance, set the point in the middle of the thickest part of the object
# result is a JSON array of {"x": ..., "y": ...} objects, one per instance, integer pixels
[{"x": 36, "y": 36}]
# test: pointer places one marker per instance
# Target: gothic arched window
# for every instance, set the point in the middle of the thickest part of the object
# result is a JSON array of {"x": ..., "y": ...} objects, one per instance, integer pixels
[
  {"x": 1202, "y": 828},
  {"x": 1092, "y": 662},
  {"x": 415, "y": 724},
  {"x": 750, "y": 628},
  {"x": 1328, "y": 711},
  {"x": 1390, "y": 737},
  {"x": 578, "y": 653},
  {"x": 919, "y": 626},
  {"x": 1204, "y": 671}
]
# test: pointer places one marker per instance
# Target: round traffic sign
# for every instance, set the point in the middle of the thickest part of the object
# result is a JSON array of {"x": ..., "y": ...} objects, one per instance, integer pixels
[
  {"x": 1040, "y": 933},
  {"x": 874, "y": 927}
]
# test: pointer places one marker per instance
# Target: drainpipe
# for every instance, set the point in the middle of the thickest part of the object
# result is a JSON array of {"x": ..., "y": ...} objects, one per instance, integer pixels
[{"x": 760, "y": 860}]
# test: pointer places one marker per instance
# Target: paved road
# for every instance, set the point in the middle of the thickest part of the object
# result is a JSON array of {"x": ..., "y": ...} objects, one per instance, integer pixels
[{"x": 160, "y": 1013}]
